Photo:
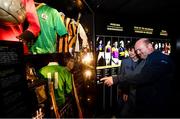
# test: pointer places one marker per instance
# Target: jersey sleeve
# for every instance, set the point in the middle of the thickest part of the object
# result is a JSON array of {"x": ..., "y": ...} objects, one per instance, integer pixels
[{"x": 59, "y": 24}]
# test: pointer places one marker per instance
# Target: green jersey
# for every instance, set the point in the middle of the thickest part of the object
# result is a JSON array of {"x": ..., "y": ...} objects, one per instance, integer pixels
[
  {"x": 51, "y": 24},
  {"x": 63, "y": 85}
]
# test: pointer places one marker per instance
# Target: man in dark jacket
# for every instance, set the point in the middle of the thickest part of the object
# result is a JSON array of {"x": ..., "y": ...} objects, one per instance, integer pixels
[{"x": 153, "y": 83}]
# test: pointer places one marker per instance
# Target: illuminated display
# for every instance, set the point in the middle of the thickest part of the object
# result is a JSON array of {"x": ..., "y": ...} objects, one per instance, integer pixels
[
  {"x": 143, "y": 30},
  {"x": 112, "y": 49},
  {"x": 114, "y": 27},
  {"x": 163, "y": 33}
]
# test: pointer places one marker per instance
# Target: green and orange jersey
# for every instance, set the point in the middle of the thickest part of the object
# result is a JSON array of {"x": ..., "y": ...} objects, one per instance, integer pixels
[{"x": 51, "y": 25}]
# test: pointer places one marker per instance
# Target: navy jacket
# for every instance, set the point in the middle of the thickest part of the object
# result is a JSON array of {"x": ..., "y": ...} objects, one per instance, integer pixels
[{"x": 153, "y": 85}]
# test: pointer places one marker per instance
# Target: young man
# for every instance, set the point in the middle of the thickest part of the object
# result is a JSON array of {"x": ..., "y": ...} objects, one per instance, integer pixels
[{"x": 129, "y": 66}]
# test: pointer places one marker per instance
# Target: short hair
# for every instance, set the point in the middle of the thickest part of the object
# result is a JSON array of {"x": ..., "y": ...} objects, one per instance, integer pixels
[
  {"x": 146, "y": 40},
  {"x": 130, "y": 46}
]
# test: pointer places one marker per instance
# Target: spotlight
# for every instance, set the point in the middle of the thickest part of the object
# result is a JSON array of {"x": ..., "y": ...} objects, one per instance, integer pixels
[
  {"x": 87, "y": 73},
  {"x": 79, "y": 4},
  {"x": 87, "y": 58}
]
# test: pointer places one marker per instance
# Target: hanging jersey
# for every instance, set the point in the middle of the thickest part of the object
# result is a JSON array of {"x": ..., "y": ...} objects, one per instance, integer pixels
[
  {"x": 64, "y": 82},
  {"x": 51, "y": 25},
  {"x": 108, "y": 48},
  {"x": 72, "y": 39},
  {"x": 121, "y": 52},
  {"x": 115, "y": 52},
  {"x": 65, "y": 40},
  {"x": 81, "y": 37},
  {"x": 76, "y": 36},
  {"x": 100, "y": 48}
]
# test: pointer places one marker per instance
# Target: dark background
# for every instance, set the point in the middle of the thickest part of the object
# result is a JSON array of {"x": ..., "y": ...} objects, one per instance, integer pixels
[{"x": 142, "y": 11}]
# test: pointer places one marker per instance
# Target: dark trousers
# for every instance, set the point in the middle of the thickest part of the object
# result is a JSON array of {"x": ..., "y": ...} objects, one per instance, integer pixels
[{"x": 126, "y": 109}]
